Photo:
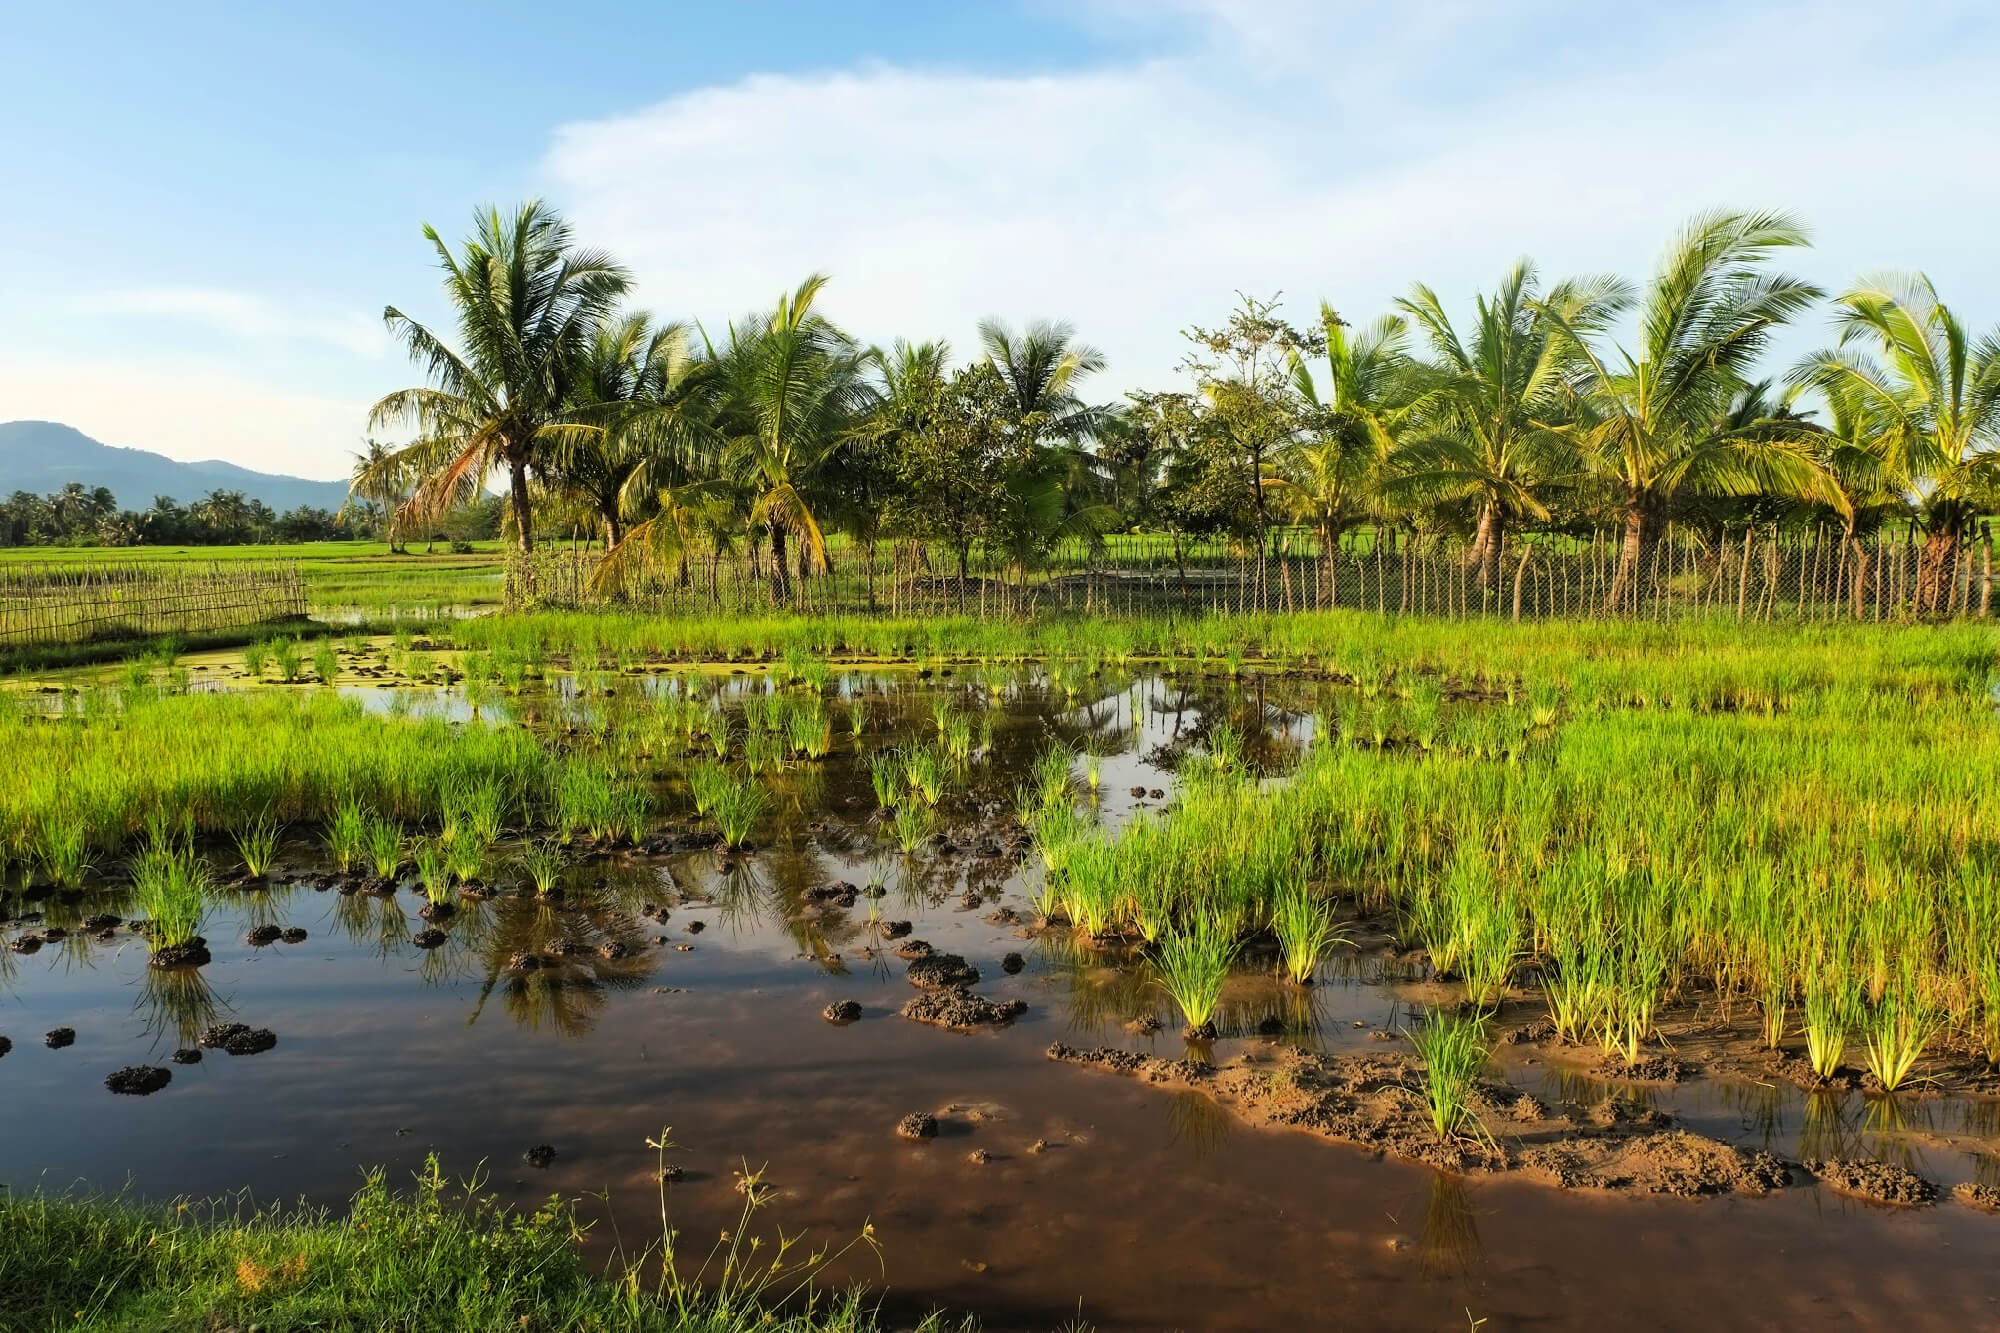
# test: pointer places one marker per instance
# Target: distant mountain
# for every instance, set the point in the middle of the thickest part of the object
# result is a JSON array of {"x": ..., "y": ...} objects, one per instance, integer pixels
[{"x": 44, "y": 456}]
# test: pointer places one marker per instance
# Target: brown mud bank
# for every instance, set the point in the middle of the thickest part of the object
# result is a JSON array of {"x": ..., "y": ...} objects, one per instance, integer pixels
[{"x": 1376, "y": 1101}]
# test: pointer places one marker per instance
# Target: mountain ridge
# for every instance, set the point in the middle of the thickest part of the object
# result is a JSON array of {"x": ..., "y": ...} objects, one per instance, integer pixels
[{"x": 45, "y": 456}]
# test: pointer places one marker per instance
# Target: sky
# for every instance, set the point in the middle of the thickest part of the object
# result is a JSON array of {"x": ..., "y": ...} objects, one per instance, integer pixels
[{"x": 210, "y": 203}]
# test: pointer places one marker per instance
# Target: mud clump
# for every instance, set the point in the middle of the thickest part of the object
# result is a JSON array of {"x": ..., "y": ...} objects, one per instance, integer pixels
[
  {"x": 841, "y": 1012},
  {"x": 540, "y": 1156},
  {"x": 838, "y": 894},
  {"x": 936, "y": 970},
  {"x": 192, "y": 954},
  {"x": 1975, "y": 1195},
  {"x": 1012, "y": 963},
  {"x": 263, "y": 935},
  {"x": 525, "y": 962},
  {"x": 294, "y": 935},
  {"x": 25, "y": 943},
  {"x": 1877, "y": 1182},
  {"x": 6, "y": 1045},
  {"x": 138, "y": 1080},
  {"x": 910, "y": 950},
  {"x": 437, "y": 911},
  {"x": 958, "y": 1008},
  {"x": 893, "y": 930},
  {"x": 696, "y": 927},
  {"x": 57, "y": 1038},
  {"x": 1375, "y": 1101},
  {"x": 102, "y": 921},
  {"x": 239, "y": 1039},
  {"x": 429, "y": 938},
  {"x": 917, "y": 1126},
  {"x": 187, "y": 1055},
  {"x": 612, "y": 950}
]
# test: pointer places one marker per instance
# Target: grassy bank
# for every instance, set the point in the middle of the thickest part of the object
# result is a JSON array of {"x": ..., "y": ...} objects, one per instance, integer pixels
[{"x": 437, "y": 1257}]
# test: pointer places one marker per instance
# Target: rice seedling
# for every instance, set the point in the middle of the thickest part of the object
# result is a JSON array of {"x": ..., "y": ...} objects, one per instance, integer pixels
[
  {"x": 326, "y": 662},
  {"x": 347, "y": 833},
  {"x": 913, "y": 824},
  {"x": 1829, "y": 1013},
  {"x": 706, "y": 784},
  {"x": 1304, "y": 924},
  {"x": 542, "y": 862},
  {"x": 170, "y": 886},
  {"x": 432, "y": 859},
  {"x": 256, "y": 656},
  {"x": 737, "y": 809},
  {"x": 810, "y": 731},
  {"x": 466, "y": 860},
  {"x": 285, "y": 653},
  {"x": 64, "y": 852},
  {"x": 1192, "y": 962},
  {"x": 1050, "y": 776},
  {"x": 885, "y": 774},
  {"x": 1897, "y": 1027},
  {"x": 383, "y": 841},
  {"x": 257, "y": 844},
  {"x": 1454, "y": 1050},
  {"x": 924, "y": 769}
]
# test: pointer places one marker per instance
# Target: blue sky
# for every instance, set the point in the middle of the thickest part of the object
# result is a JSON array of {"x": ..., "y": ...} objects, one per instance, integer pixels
[{"x": 212, "y": 202}]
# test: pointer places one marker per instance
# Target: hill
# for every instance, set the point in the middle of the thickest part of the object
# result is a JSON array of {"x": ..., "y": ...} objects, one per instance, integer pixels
[{"x": 44, "y": 456}]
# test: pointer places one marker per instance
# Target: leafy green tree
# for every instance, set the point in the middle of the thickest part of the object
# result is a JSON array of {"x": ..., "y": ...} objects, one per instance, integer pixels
[{"x": 528, "y": 302}]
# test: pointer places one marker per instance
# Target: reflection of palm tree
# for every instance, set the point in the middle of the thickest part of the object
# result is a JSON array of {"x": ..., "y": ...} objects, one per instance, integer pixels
[
  {"x": 1197, "y": 1123},
  {"x": 1450, "y": 1244},
  {"x": 176, "y": 1000},
  {"x": 1825, "y": 1132},
  {"x": 590, "y": 945}
]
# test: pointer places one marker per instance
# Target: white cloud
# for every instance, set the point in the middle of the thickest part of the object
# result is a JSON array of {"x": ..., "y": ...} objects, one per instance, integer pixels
[
  {"x": 189, "y": 413},
  {"x": 1137, "y": 198},
  {"x": 247, "y": 316}
]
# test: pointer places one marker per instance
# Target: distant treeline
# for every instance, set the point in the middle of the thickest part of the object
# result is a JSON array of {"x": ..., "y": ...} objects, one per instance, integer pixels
[{"x": 79, "y": 515}]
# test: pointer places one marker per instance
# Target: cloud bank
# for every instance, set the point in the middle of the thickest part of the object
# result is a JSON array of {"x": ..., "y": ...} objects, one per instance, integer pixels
[{"x": 1326, "y": 151}]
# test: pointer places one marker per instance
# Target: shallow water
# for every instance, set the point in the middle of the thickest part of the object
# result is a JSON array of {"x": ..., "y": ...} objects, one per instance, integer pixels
[{"x": 1141, "y": 1209}]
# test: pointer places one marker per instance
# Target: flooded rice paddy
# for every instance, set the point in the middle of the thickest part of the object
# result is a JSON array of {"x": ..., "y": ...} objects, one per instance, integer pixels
[{"x": 685, "y": 990}]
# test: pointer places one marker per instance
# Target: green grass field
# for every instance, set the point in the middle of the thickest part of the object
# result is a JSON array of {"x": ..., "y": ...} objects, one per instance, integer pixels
[{"x": 353, "y": 577}]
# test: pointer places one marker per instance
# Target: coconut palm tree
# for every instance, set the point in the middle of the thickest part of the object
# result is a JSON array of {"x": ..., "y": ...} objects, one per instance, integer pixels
[
  {"x": 795, "y": 388},
  {"x": 1924, "y": 410},
  {"x": 640, "y": 411},
  {"x": 380, "y": 480},
  {"x": 1650, "y": 427},
  {"x": 528, "y": 303},
  {"x": 1041, "y": 367},
  {"x": 1330, "y": 474},
  {"x": 1489, "y": 432}
]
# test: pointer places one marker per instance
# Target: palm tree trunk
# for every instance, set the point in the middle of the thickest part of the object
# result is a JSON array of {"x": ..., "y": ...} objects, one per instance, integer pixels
[
  {"x": 524, "y": 524},
  {"x": 1486, "y": 543},
  {"x": 781, "y": 577},
  {"x": 1937, "y": 568},
  {"x": 1641, "y": 522}
]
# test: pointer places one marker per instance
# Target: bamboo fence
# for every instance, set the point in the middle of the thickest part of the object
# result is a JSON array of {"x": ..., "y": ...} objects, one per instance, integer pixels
[
  {"x": 72, "y": 603},
  {"x": 1751, "y": 574}
]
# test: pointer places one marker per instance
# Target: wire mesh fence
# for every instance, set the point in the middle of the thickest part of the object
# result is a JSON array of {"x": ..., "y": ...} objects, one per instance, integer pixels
[
  {"x": 1750, "y": 574},
  {"x": 76, "y": 603}
]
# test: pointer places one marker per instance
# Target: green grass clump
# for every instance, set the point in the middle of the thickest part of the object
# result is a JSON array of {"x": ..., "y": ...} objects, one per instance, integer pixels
[
  {"x": 1454, "y": 1051},
  {"x": 440, "y": 1257},
  {"x": 913, "y": 823},
  {"x": 257, "y": 844},
  {"x": 383, "y": 841},
  {"x": 326, "y": 662},
  {"x": 542, "y": 862},
  {"x": 347, "y": 833},
  {"x": 170, "y": 887},
  {"x": 1192, "y": 962},
  {"x": 737, "y": 809},
  {"x": 1303, "y": 922}
]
